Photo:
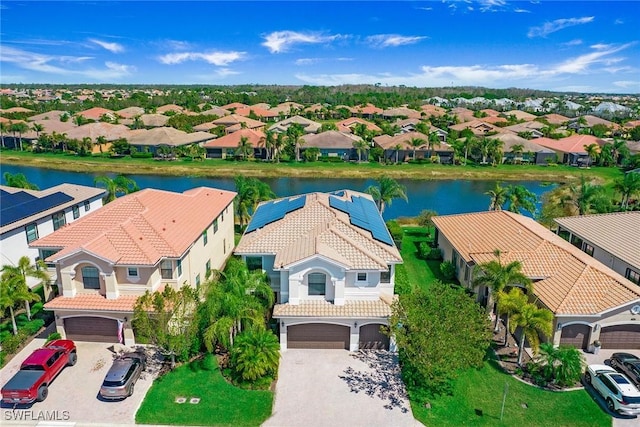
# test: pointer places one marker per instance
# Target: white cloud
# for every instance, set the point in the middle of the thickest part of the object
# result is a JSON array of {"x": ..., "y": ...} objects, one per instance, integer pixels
[
  {"x": 557, "y": 25},
  {"x": 311, "y": 61},
  {"x": 574, "y": 42},
  {"x": 220, "y": 59},
  {"x": 392, "y": 40},
  {"x": 518, "y": 10},
  {"x": 425, "y": 8},
  {"x": 627, "y": 84},
  {"x": 111, "y": 47},
  {"x": 63, "y": 64},
  {"x": 618, "y": 21},
  {"x": 224, "y": 72},
  {"x": 484, "y": 75},
  {"x": 282, "y": 41},
  {"x": 491, "y": 5}
]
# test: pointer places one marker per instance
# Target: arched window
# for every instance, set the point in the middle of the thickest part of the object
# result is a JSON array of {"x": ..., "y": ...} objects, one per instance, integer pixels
[
  {"x": 317, "y": 283},
  {"x": 90, "y": 277}
]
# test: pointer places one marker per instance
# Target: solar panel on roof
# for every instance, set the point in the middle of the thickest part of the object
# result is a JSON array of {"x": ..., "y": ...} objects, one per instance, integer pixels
[
  {"x": 22, "y": 205},
  {"x": 274, "y": 211},
  {"x": 363, "y": 213}
]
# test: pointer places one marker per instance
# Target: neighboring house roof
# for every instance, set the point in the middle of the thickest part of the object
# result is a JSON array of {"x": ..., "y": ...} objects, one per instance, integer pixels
[
  {"x": 387, "y": 142},
  {"x": 463, "y": 114},
  {"x": 308, "y": 125},
  {"x": 571, "y": 282},
  {"x": 631, "y": 124},
  {"x": 286, "y": 107},
  {"x": 617, "y": 233},
  {"x": 130, "y": 112},
  {"x": 259, "y": 112},
  {"x": 511, "y": 139},
  {"x": 491, "y": 113},
  {"x": 21, "y": 207},
  {"x": 236, "y": 119},
  {"x": 94, "y": 130},
  {"x": 521, "y": 115},
  {"x": 255, "y": 138},
  {"x": 525, "y": 127},
  {"x": 433, "y": 110},
  {"x": 167, "y": 136},
  {"x": 93, "y": 302},
  {"x": 556, "y": 119},
  {"x": 235, "y": 105},
  {"x": 478, "y": 127},
  {"x": 494, "y": 119},
  {"x": 216, "y": 111},
  {"x": 141, "y": 228},
  {"x": 347, "y": 125},
  {"x": 154, "y": 120},
  {"x": 169, "y": 107},
  {"x": 368, "y": 109},
  {"x": 402, "y": 111},
  {"x": 317, "y": 228},
  {"x": 49, "y": 115},
  {"x": 16, "y": 110},
  {"x": 330, "y": 139},
  {"x": 96, "y": 113},
  {"x": 594, "y": 120},
  {"x": 570, "y": 144}
]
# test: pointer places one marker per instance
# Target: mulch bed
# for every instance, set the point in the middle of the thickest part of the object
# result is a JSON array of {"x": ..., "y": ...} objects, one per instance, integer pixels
[{"x": 508, "y": 355}]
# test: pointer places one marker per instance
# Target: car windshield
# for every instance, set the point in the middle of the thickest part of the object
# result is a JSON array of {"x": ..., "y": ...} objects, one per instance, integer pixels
[
  {"x": 619, "y": 379},
  {"x": 113, "y": 383},
  {"x": 631, "y": 399},
  {"x": 32, "y": 368}
]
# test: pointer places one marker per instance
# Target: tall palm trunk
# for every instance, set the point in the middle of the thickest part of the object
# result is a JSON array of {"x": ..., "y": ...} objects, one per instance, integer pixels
[
  {"x": 521, "y": 349},
  {"x": 27, "y": 306},
  {"x": 13, "y": 321}
]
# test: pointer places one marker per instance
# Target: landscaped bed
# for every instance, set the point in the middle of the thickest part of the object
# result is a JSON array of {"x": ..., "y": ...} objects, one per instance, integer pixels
[{"x": 220, "y": 403}]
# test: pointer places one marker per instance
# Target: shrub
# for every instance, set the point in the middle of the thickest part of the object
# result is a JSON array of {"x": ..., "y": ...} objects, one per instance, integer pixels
[
  {"x": 13, "y": 342},
  {"x": 141, "y": 155},
  {"x": 425, "y": 251},
  {"x": 53, "y": 336},
  {"x": 3, "y": 357},
  {"x": 255, "y": 355},
  {"x": 33, "y": 326},
  {"x": 448, "y": 270}
]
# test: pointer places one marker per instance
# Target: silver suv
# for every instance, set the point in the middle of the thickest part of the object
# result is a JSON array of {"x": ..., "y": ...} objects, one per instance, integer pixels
[
  {"x": 618, "y": 392},
  {"x": 122, "y": 376}
]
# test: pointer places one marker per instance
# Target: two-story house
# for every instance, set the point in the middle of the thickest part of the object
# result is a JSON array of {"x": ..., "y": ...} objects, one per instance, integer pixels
[
  {"x": 26, "y": 215},
  {"x": 331, "y": 262},
  {"x": 140, "y": 242}
]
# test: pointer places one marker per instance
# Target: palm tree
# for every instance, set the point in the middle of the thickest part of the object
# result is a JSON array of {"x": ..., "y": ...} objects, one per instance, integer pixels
[
  {"x": 521, "y": 199},
  {"x": 18, "y": 275},
  {"x": 397, "y": 149},
  {"x": 361, "y": 146},
  {"x": 517, "y": 150},
  {"x": 509, "y": 303},
  {"x": 627, "y": 186},
  {"x": 250, "y": 192},
  {"x": 294, "y": 132},
  {"x": 434, "y": 141},
  {"x": 115, "y": 187},
  {"x": 245, "y": 149},
  {"x": 278, "y": 146},
  {"x": 37, "y": 128},
  {"x": 4, "y": 128},
  {"x": 564, "y": 364},
  {"x": 585, "y": 197},
  {"x": 415, "y": 143},
  {"x": 8, "y": 298},
  {"x": 20, "y": 128},
  {"x": 619, "y": 150},
  {"x": 532, "y": 320},
  {"x": 386, "y": 190},
  {"x": 592, "y": 151},
  {"x": 256, "y": 354},
  {"x": 18, "y": 180},
  {"x": 269, "y": 143},
  {"x": 497, "y": 277},
  {"x": 100, "y": 141},
  {"x": 497, "y": 197}
]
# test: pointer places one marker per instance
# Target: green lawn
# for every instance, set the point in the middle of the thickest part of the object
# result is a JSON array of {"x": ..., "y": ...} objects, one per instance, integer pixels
[
  {"x": 525, "y": 405},
  {"x": 221, "y": 404},
  {"x": 481, "y": 390}
]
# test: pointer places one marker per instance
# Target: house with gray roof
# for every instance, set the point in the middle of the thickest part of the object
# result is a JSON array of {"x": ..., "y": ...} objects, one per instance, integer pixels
[{"x": 331, "y": 262}]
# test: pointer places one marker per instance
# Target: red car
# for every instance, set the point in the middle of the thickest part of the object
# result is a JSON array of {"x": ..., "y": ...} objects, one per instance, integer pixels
[{"x": 31, "y": 382}]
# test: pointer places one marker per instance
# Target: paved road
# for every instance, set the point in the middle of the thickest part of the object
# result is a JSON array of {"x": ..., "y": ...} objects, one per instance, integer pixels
[{"x": 318, "y": 388}]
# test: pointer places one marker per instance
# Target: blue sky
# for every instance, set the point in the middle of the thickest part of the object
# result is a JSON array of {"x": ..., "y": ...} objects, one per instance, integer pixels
[{"x": 584, "y": 46}]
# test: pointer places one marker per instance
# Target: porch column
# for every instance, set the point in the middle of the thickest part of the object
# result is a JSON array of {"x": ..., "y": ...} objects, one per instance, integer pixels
[{"x": 338, "y": 289}]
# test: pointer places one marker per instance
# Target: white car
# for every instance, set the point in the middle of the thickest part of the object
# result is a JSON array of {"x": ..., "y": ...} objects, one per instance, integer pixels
[{"x": 617, "y": 390}]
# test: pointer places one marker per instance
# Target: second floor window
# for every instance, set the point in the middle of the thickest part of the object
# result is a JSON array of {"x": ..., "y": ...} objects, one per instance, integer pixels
[
  {"x": 588, "y": 249},
  {"x": 317, "y": 283},
  {"x": 205, "y": 237},
  {"x": 633, "y": 275},
  {"x": 166, "y": 269},
  {"x": 179, "y": 267},
  {"x": 90, "y": 277},
  {"x": 362, "y": 277},
  {"x": 385, "y": 276},
  {"x": 132, "y": 272},
  {"x": 215, "y": 225},
  {"x": 87, "y": 206},
  {"x": 32, "y": 232},
  {"x": 58, "y": 220},
  {"x": 254, "y": 263},
  {"x": 207, "y": 268},
  {"x": 76, "y": 212}
]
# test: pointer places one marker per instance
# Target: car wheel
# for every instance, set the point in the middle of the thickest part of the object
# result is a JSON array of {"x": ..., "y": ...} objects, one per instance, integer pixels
[
  {"x": 587, "y": 378},
  {"x": 73, "y": 358},
  {"x": 610, "y": 405},
  {"x": 43, "y": 392}
]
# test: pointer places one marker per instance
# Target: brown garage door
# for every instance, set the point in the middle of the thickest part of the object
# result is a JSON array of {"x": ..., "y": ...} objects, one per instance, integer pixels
[
  {"x": 96, "y": 329},
  {"x": 318, "y": 335},
  {"x": 575, "y": 335},
  {"x": 621, "y": 337},
  {"x": 372, "y": 339}
]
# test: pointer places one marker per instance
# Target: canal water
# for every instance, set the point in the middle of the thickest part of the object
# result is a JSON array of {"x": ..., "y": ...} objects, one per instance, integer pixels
[{"x": 443, "y": 196}]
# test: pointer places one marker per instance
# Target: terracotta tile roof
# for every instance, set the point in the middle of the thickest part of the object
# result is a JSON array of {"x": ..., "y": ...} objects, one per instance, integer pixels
[
  {"x": 521, "y": 115},
  {"x": 571, "y": 144},
  {"x": 556, "y": 119},
  {"x": 236, "y": 119},
  {"x": 141, "y": 228},
  {"x": 567, "y": 281},
  {"x": 94, "y": 130},
  {"x": 318, "y": 229},
  {"x": 255, "y": 137},
  {"x": 167, "y": 136},
  {"x": 369, "y": 109},
  {"x": 402, "y": 111},
  {"x": 331, "y": 139},
  {"x": 154, "y": 120},
  {"x": 130, "y": 112},
  {"x": 96, "y": 113},
  {"x": 308, "y": 125},
  {"x": 347, "y": 125},
  {"x": 93, "y": 302},
  {"x": 617, "y": 233},
  {"x": 169, "y": 107},
  {"x": 350, "y": 309},
  {"x": 433, "y": 110}
]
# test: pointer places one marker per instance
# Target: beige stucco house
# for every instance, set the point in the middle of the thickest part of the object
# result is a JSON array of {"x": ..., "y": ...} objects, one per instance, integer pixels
[
  {"x": 589, "y": 300},
  {"x": 331, "y": 262},
  {"x": 140, "y": 242}
]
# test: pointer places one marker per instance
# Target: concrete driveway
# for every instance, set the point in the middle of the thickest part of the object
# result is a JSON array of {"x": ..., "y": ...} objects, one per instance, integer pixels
[
  {"x": 602, "y": 358},
  {"x": 336, "y": 388},
  {"x": 73, "y": 395}
]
